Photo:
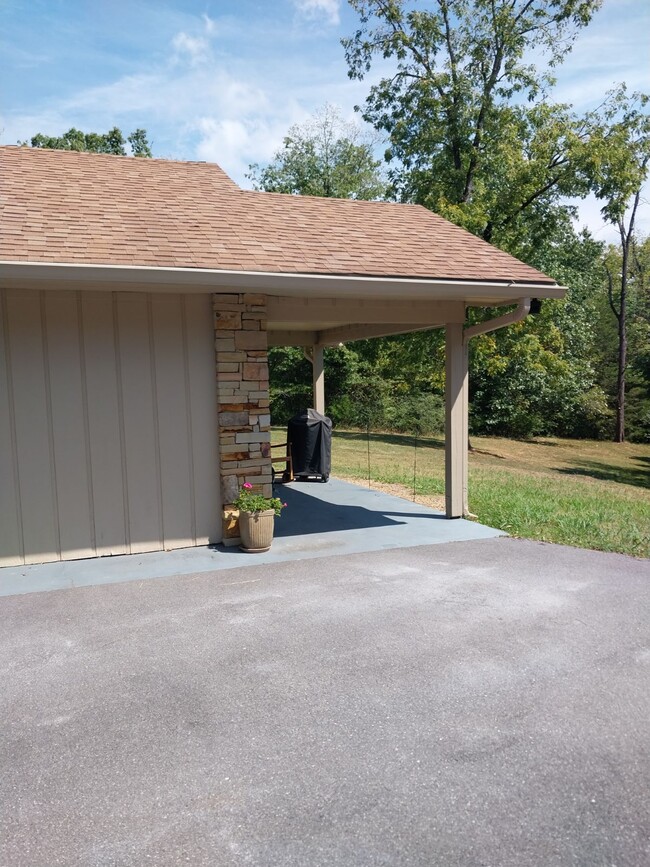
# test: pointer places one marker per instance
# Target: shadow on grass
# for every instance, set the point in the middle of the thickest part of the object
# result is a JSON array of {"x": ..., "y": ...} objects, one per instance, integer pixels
[
  {"x": 638, "y": 477},
  {"x": 388, "y": 439},
  {"x": 473, "y": 450}
]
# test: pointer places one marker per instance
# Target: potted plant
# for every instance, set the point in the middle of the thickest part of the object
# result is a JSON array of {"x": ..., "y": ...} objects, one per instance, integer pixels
[{"x": 256, "y": 519}]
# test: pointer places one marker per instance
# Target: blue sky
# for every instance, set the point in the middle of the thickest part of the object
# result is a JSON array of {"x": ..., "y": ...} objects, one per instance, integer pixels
[{"x": 222, "y": 81}]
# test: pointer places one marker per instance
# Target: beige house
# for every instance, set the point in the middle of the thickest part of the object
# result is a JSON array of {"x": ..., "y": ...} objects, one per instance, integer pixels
[{"x": 137, "y": 302}]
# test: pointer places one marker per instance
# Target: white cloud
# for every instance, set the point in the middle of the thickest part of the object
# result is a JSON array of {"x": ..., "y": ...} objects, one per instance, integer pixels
[
  {"x": 231, "y": 142},
  {"x": 195, "y": 48},
  {"x": 327, "y": 9},
  {"x": 211, "y": 26},
  {"x": 236, "y": 142}
]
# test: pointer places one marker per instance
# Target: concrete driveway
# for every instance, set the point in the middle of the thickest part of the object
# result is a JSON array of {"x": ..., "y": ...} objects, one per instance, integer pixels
[{"x": 481, "y": 703}]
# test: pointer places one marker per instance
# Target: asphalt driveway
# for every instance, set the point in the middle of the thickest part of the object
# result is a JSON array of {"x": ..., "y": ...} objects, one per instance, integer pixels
[{"x": 478, "y": 703}]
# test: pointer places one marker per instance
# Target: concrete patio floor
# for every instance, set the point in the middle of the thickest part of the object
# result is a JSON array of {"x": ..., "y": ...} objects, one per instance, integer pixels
[
  {"x": 475, "y": 705},
  {"x": 336, "y": 518}
]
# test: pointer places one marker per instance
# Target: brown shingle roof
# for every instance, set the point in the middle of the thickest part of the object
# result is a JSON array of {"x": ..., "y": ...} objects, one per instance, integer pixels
[{"x": 68, "y": 207}]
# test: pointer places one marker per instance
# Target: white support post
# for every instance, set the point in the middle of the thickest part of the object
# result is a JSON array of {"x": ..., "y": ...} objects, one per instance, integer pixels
[
  {"x": 318, "y": 375},
  {"x": 456, "y": 421}
]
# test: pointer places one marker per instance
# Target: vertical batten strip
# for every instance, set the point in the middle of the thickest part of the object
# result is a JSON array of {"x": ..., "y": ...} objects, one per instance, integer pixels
[
  {"x": 4, "y": 318},
  {"x": 50, "y": 425},
  {"x": 188, "y": 413},
  {"x": 120, "y": 412},
  {"x": 156, "y": 424},
  {"x": 86, "y": 419}
]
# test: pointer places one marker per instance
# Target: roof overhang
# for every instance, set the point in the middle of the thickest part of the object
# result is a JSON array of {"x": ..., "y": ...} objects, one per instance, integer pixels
[
  {"x": 303, "y": 309},
  {"x": 46, "y": 275}
]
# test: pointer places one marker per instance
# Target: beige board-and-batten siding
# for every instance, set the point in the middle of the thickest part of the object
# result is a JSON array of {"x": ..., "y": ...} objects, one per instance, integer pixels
[{"x": 107, "y": 424}]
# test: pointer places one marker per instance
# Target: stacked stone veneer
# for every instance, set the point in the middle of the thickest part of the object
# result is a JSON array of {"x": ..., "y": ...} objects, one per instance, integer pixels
[{"x": 243, "y": 400}]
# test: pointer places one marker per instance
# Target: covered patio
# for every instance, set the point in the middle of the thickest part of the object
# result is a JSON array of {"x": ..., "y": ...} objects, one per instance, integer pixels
[
  {"x": 138, "y": 300},
  {"x": 389, "y": 307}
]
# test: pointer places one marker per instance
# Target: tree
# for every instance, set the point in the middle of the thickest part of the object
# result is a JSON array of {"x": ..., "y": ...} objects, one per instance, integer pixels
[
  {"x": 474, "y": 135},
  {"x": 111, "y": 142},
  {"x": 471, "y": 132},
  {"x": 618, "y": 162},
  {"x": 636, "y": 415},
  {"x": 323, "y": 157},
  {"x": 139, "y": 142},
  {"x": 638, "y": 398},
  {"x": 539, "y": 377}
]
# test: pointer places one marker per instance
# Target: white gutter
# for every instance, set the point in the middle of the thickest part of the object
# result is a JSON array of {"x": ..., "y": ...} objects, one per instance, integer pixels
[
  {"x": 522, "y": 310},
  {"x": 141, "y": 277}
]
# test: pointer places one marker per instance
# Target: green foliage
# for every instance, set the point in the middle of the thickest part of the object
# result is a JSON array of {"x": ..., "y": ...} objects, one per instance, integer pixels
[
  {"x": 523, "y": 383},
  {"x": 616, "y": 155},
  {"x": 364, "y": 387},
  {"x": 140, "y": 146},
  {"x": 617, "y": 162},
  {"x": 323, "y": 157},
  {"x": 248, "y": 501},
  {"x": 472, "y": 134},
  {"x": 290, "y": 382},
  {"x": 111, "y": 142},
  {"x": 539, "y": 377},
  {"x": 419, "y": 414},
  {"x": 605, "y": 350}
]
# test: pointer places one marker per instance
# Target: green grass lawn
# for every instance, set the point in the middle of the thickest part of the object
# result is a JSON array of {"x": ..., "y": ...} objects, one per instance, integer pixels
[{"x": 574, "y": 492}]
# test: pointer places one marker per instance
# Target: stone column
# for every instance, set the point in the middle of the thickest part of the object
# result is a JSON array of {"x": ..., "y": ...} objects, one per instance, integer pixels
[{"x": 242, "y": 400}]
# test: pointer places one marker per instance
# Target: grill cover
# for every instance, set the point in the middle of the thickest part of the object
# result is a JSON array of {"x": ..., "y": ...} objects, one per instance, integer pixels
[{"x": 310, "y": 436}]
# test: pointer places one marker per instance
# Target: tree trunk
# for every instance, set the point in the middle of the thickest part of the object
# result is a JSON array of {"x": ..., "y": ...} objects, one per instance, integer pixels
[
  {"x": 619, "y": 436},
  {"x": 627, "y": 241},
  {"x": 627, "y": 236}
]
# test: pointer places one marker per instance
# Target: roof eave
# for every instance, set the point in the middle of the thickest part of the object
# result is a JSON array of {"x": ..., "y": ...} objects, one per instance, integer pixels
[{"x": 146, "y": 278}]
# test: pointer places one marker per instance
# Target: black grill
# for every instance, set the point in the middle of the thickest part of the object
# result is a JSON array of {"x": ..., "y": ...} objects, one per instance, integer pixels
[{"x": 310, "y": 436}]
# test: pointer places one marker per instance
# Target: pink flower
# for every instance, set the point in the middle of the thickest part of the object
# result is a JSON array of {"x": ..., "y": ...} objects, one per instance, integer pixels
[
  {"x": 247, "y": 486},
  {"x": 284, "y": 505}
]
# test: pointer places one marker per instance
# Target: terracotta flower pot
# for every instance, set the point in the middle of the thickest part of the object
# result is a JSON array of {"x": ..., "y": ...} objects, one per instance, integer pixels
[{"x": 256, "y": 531}]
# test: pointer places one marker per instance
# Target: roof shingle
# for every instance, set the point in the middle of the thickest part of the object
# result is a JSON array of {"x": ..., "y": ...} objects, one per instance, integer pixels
[{"x": 70, "y": 207}]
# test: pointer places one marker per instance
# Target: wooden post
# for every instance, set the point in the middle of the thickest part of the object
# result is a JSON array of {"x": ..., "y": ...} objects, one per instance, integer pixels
[
  {"x": 456, "y": 421},
  {"x": 318, "y": 374}
]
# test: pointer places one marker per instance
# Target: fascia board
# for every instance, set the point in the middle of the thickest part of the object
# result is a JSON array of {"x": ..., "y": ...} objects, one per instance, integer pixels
[{"x": 55, "y": 275}]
